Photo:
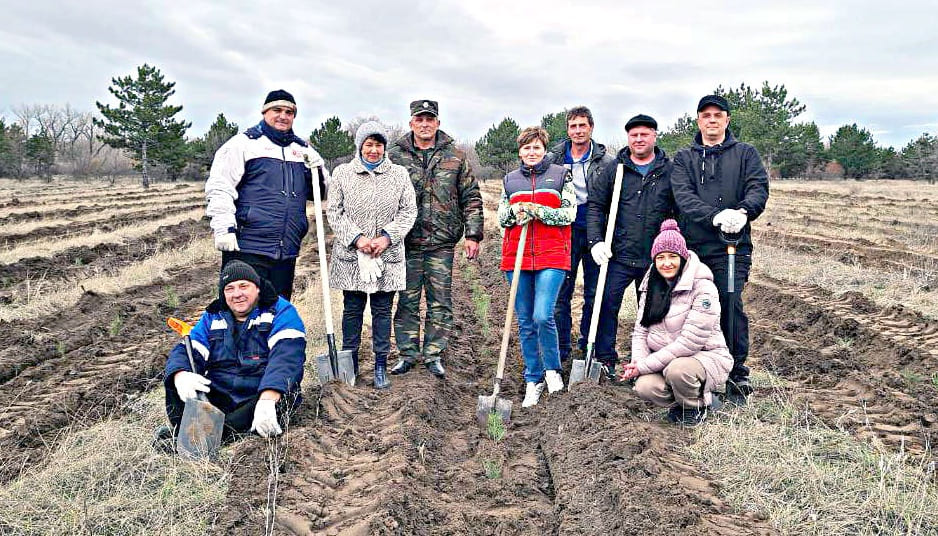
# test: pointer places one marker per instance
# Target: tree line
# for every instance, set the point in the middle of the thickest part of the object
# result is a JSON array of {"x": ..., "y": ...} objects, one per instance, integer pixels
[
  {"x": 141, "y": 132},
  {"x": 766, "y": 117}
]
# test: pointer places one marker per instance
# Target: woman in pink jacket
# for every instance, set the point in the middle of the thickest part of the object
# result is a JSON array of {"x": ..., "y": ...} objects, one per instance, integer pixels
[{"x": 679, "y": 354}]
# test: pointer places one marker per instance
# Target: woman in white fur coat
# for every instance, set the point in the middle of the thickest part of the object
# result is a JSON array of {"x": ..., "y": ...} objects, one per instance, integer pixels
[
  {"x": 372, "y": 207},
  {"x": 679, "y": 354}
]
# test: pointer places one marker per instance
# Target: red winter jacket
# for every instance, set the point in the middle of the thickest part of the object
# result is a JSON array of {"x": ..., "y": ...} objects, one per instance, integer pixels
[{"x": 548, "y": 242}]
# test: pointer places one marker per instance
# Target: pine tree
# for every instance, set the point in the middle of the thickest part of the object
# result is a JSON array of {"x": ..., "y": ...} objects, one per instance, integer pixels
[
  {"x": 40, "y": 151},
  {"x": 678, "y": 136},
  {"x": 143, "y": 123},
  {"x": 203, "y": 149},
  {"x": 499, "y": 147},
  {"x": 556, "y": 126},
  {"x": 854, "y": 149},
  {"x": 12, "y": 150},
  {"x": 331, "y": 142}
]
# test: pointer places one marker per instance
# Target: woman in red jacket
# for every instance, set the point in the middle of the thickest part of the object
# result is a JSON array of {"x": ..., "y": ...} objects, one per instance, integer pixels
[
  {"x": 540, "y": 195},
  {"x": 679, "y": 354}
]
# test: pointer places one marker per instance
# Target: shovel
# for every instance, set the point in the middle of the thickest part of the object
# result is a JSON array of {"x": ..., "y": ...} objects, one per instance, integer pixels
[
  {"x": 731, "y": 240},
  {"x": 334, "y": 364},
  {"x": 581, "y": 369},
  {"x": 488, "y": 405},
  {"x": 202, "y": 423}
]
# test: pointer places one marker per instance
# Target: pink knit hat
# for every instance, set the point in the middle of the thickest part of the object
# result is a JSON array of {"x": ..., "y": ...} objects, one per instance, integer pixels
[{"x": 669, "y": 239}]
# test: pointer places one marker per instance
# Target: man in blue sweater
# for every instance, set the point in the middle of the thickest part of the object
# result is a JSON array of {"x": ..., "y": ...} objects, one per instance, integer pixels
[
  {"x": 586, "y": 159},
  {"x": 249, "y": 350}
]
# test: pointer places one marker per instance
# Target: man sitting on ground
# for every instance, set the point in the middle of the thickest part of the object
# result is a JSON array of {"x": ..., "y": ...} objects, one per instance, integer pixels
[{"x": 249, "y": 349}]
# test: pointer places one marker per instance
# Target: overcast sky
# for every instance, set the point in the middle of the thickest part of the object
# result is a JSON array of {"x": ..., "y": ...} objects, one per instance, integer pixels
[{"x": 873, "y": 63}]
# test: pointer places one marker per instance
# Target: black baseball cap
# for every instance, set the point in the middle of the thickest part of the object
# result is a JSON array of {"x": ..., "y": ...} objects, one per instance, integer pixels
[{"x": 713, "y": 100}]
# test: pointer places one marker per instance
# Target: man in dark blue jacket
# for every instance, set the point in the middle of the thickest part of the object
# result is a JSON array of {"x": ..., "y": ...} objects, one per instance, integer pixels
[
  {"x": 586, "y": 159},
  {"x": 644, "y": 202},
  {"x": 249, "y": 350},
  {"x": 720, "y": 184},
  {"x": 257, "y": 191}
]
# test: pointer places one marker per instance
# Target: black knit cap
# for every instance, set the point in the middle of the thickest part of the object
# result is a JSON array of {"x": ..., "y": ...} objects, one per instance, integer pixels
[
  {"x": 713, "y": 100},
  {"x": 236, "y": 270},
  {"x": 278, "y": 97},
  {"x": 641, "y": 120}
]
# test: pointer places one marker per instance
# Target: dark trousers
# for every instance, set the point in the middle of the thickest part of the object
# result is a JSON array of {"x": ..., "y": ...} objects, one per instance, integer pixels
[
  {"x": 279, "y": 273},
  {"x": 238, "y": 417},
  {"x": 579, "y": 251},
  {"x": 738, "y": 340},
  {"x": 618, "y": 277},
  {"x": 353, "y": 315}
]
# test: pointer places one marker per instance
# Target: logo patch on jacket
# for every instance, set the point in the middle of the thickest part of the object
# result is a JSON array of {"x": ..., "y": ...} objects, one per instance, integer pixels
[{"x": 705, "y": 303}]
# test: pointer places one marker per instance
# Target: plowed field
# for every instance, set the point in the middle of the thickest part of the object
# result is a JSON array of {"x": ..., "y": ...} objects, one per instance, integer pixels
[{"x": 841, "y": 307}]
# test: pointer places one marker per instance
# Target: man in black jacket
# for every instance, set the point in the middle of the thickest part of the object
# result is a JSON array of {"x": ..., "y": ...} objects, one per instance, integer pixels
[
  {"x": 719, "y": 185},
  {"x": 644, "y": 202},
  {"x": 586, "y": 159}
]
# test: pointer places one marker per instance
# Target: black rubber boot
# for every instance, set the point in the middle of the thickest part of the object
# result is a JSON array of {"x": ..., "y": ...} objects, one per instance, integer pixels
[
  {"x": 402, "y": 367},
  {"x": 738, "y": 391},
  {"x": 381, "y": 377},
  {"x": 436, "y": 368}
]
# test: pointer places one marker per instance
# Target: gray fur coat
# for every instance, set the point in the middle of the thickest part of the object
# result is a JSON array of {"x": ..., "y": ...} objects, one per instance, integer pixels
[{"x": 363, "y": 202}]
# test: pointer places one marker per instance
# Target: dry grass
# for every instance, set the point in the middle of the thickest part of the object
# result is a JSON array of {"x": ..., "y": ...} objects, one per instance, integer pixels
[
  {"x": 898, "y": 190},
  {"x": 106, "y": 204},
  {"x": 49, "y": 246},
  {"x": 914, "y": 289},
  {"x": 109, "y": 480},
  {"x": 55, "y": 298},
  {"x": 776, "y": 458}
]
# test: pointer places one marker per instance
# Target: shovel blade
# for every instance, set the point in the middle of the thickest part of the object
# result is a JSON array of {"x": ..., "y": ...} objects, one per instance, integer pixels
[
  {"x": 324, "y": 369},
  {"x": 595, "y": 371},
  {"x": 345, "y": 368},
  {"x": 200, "y": 430},
  {"x": 488, "y": 405},
  {"x": 577, "y": 372}
]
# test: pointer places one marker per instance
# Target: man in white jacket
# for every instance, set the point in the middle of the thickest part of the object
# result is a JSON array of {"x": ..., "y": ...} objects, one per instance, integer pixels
[{"x": 257, "y": 191}]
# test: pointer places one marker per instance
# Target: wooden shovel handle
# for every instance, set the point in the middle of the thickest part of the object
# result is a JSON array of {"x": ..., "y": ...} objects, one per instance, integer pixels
[{"x": 506, "y": 332}]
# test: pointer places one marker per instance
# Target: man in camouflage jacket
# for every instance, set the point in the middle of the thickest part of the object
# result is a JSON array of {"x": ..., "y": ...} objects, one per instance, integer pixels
[{"x": 448, "y": 203}]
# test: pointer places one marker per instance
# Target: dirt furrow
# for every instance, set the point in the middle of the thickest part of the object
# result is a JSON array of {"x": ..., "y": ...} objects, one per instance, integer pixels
[
  {"x": 87, "y": 209},
  {"x": 851, "y": 252},
  {"x": 76, "y": 263},
  {"x": 84, "y": 363},
  {"x": 75, "y": 193},
  {"x": 413, "y": 460},
  {"x": 861, "y": 367},
  {"x": 108, "y": 224}
]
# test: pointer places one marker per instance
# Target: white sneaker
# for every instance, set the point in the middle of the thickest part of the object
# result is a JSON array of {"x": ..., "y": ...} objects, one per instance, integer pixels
[
  {"x": 532, "y": 394},
  {"x": 554, "y": 381}
]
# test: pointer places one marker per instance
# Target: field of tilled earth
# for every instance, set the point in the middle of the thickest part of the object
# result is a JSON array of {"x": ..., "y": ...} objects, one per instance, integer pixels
[{"x": 840, "y": 303}]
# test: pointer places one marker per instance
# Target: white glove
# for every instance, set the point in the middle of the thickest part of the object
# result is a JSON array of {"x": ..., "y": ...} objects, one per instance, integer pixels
[
  {"x": 737, "y": 222},
  {"x": 522, "y": 213},
  {"x": 188, "y": 383},
  {"x": 730, "y": 220},
  {"x": 265, "y": 419},
  {"x": 368, "y": 269},
  {"x": 601, "y": 253},
  {"x": 226, "y": 242}
]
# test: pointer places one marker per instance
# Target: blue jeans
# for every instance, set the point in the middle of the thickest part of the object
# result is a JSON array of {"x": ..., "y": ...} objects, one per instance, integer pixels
[
  {"x": 534, "y": 304},
  {"x": 579, "y": 251}
]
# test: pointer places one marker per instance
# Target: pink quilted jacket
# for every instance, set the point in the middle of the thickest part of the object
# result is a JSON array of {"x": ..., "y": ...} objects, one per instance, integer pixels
[{"x": 691, "y": 328}]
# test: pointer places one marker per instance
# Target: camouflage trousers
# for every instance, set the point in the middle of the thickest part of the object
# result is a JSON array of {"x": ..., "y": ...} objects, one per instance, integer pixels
[{"x": 433, "y": 271}]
